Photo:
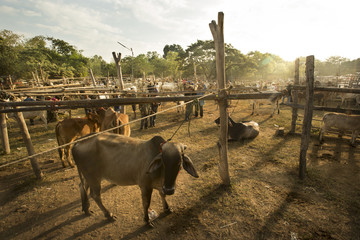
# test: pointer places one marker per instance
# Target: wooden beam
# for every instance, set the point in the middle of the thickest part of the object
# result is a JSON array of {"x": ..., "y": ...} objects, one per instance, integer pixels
[
  {"x": 48, "y": 105},
  {"x": 29, "y": 146},
  {"x": 217, "y": 31},
  {"x": 4, "y": 134},
  {"x": 306, "y": 130},
  {"x": 295, "y": 97}
]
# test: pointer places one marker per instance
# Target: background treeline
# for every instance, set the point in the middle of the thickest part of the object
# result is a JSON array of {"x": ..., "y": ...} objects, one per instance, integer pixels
[{"x": 55, "y": 58}]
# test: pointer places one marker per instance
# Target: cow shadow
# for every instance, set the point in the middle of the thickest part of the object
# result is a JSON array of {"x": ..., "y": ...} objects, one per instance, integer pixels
[
  {"x": 41, "y": 219},
  {"x": 179, "y": 220}
]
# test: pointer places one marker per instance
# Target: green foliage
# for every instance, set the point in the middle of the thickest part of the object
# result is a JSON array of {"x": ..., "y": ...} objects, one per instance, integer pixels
[
  {"x": 55, "y": 58},
  {"x": 10, "y": 48}
]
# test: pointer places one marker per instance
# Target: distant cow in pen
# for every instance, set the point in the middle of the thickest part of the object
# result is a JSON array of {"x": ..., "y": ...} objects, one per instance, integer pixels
[{"x": 342, "y": 123}]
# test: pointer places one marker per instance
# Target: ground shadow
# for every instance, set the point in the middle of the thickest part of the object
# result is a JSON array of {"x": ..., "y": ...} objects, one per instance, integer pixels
[{"x": 37, "y": 220}]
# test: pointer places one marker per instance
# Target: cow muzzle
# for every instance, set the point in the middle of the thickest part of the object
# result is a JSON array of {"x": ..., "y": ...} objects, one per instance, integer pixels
[{"x": 168, "y": 191}]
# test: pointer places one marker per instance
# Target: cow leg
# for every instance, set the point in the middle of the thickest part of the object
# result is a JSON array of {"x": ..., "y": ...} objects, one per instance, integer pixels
[
  {"x": 164, "y": 202},
  {"x": 353, "y": 138},
  {"x": 253, "y": 109},
  {"x": 68, "y": 157},
  {"x": 321, "y": 135},
  {"x": 43, "y": 118},
  {"x": 146, "y": 199},
  {"x": 84, "y": 187},
  {"x": 62, "y": 153},
  {"x": 96, "y": 195}
]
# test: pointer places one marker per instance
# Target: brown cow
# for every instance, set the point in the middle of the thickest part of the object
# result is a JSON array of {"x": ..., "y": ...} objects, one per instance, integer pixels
[
  {"x": 110, "y": 119},
  {"x": 152, "y": 164},
  {"x": 70, "y": 129}
]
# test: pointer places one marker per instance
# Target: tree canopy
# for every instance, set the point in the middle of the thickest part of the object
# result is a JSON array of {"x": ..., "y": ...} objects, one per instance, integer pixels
[{"x": 55, "y": 58}]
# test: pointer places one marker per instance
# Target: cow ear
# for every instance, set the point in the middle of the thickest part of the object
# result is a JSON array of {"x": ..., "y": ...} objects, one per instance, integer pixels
[
  {"x": 189, "y": 167},
  {"x": 183, "y": 147},
  {"x": 230, "y": 122},
  {"x": 155, "y": 164}
]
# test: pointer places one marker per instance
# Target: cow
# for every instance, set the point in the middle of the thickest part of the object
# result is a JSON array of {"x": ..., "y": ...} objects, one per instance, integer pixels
[
  {"x": 273, "y": 100},
  {"x": 347, "y": 98},
  {"x": 341, "y": 122},
  {"x": 70, "y": 129},
  {"x": 31, "y": 115},
  {"x": 124, "y": 161},
  {"x": 110, "y": 119},
  {"x": 242, "y": 130}
]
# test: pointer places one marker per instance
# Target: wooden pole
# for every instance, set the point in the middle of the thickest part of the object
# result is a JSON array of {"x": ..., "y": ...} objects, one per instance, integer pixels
[
  {"x": 4, "y": 134},
  {"x": 120, "y": 82},
  {"x": 92, "y": 77},
  {"x": 306, "y": 129},
  {"x": 29, "y": 146},
  {"x": 295, "y": 97},
  {"x": 217, "y": 31}
]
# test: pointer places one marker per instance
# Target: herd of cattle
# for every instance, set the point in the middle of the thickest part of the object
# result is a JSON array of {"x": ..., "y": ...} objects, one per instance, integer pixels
[{"x": 152, "y": 164}]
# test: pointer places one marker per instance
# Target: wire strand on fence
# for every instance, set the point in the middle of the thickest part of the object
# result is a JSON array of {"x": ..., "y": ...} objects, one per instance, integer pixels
[{"x": 98, "y": 133}]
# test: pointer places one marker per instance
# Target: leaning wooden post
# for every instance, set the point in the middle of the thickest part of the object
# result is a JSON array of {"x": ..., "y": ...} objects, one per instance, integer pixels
[
  {"x": 295, "y": 97},
  {"x": 218, "y": 35},
  {"x": 119, "y": 82},
  {"x": 29, "y": 146},
  {"x": 4, "y": 133},
  {"x": 92, "y": 77},
  {"x": 306, "y": 129}
]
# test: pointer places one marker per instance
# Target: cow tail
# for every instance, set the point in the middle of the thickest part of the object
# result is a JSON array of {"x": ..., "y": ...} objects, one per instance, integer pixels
[{"x": 58, "y": 139}]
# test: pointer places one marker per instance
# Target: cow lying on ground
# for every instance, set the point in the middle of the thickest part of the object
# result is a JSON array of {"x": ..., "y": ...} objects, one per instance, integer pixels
[
  {"x": 242, "y": 130},
  {"x": 342, "y": 123},
  {"x": 70, "y": 129},
  {"x": 110, "y": 119},
  {"x": 152, "y": 164}
]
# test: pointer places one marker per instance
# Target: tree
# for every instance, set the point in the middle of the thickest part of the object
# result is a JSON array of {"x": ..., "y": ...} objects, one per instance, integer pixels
[
  {"x": 10, "y": 48},
  {"x": 174, "y": 48}
]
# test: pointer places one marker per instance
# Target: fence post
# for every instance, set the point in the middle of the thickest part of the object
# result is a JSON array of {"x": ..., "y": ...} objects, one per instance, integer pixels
[
  {"x": 119, "y": 82},
  {"x": 308, "y": 113},
  {"x": 295, "y": 97},
  {"x": 29, "y": 146},
  {"x": 4, "y": 133},
  {"x": 218, "y": 35}
]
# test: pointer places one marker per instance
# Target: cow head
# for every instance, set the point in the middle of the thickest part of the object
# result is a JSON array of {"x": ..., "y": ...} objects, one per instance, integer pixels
[
  {"x": 94, "y": 118},
  {"x": 170, "y": 160},
  {"x": 230, "y": 121}
]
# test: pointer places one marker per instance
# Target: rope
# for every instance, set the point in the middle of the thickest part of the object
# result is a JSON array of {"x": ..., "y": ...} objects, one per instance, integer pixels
[{"x": 98, "y": 133}]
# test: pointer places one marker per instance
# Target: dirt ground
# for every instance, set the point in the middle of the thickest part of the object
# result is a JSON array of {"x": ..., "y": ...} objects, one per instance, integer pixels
[{"x": 266, "y": 199}]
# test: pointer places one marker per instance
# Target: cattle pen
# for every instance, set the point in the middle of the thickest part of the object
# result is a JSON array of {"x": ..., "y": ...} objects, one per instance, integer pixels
[{"x": 258, "y": 194}]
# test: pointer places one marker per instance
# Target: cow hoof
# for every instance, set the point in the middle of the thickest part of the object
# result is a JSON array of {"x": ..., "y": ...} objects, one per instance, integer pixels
[
  {"x": 151, "y": 224},
  {"x": 88, "y": 213},
  {"x": 111, "y": 217}
]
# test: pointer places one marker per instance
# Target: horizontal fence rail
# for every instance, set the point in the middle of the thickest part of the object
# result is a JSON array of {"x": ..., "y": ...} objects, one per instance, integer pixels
[{"x": 51, "y": 105}]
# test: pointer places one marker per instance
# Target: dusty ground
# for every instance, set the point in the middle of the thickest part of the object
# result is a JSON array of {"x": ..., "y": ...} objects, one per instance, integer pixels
[{"x": 266, "y": 200}]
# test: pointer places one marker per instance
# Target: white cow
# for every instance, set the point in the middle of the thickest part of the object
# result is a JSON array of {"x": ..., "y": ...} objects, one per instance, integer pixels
[{"x": 341, "y": 122}]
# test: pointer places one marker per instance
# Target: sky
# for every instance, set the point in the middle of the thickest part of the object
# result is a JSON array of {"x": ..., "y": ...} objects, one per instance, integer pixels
[{"x": 287, "y": 28}]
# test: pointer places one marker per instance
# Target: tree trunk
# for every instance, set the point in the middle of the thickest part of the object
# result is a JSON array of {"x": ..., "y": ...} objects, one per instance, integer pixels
[{"x": 218, "y": 35}]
